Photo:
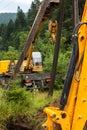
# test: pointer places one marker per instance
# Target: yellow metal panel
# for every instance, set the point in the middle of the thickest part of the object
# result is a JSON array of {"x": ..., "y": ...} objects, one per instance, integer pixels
[
  {"x": 56, "y": 116},
  {"x": 78, "y": 86},
  {"x": 37, "y": 68},
  {"x": 76, "y": 107},
  {"x": 4, "y": 65},
  {"x": 80, "y": 114}
]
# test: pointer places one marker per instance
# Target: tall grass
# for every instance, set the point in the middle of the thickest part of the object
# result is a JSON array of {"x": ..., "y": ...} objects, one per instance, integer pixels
[{"x": 18, "y": 101}]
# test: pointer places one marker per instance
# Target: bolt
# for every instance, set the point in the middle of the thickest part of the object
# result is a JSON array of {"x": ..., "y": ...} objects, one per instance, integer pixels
[
  {"x": 82, "y": 38},
  {"x": 63, "y": 115},
  {"x": 84, "y": 100},
  {"x": 54, "y": 115},
  {"x": 44, "y": 127},
  {"x": 57, "y": 118},
  {"x": 80, "y": 117}
]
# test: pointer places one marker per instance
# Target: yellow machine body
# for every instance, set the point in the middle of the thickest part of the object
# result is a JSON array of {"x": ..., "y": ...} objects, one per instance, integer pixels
[
  {"x": 7, "y": 66},
  {"x": 4, "y": 66},
  {"x": 74, "y": 114},
  {"x": 28, "y": 64}
]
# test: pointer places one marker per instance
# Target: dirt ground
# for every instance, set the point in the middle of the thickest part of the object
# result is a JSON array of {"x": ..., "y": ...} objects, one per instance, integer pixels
[{"x": 22, "y": 123}]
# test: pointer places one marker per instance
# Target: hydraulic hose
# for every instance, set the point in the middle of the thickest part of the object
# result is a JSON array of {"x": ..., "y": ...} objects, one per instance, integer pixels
[{"x": 73, "y": 61}]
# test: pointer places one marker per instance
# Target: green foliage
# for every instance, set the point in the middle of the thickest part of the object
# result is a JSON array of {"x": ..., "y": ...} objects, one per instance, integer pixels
[
  {"x": 2, "y": 29},
  {"x": 63, "y": 62},
  {"x": 18, "y": 96},
  {"x": 41, "y": 98},
  {"x": 11, "y": 54},
  {"x": 20, "y": 21},
  {"x": 18, "y": 102},
  {"x": 13, "y": 102},
  {"x": 59, "y": 84},
  {"x": 32, "y": 12},
  {"x": 68, "y": 21},
  {"x": 48, "y": 63},
  {"x": 22, "y": 39},
  {"x": 47, "y": 49},
  {"x": 10, "y": 29}
]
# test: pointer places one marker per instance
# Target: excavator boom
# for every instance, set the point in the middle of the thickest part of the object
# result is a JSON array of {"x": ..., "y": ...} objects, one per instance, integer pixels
[{"x": 42, "y": 15}]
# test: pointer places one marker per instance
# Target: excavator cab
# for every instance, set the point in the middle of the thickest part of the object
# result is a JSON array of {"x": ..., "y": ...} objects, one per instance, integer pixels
[
  {"x": 37, "y": 62},
  {"x": 30, "y": 61},
  {"x": 34, "y": 65}
]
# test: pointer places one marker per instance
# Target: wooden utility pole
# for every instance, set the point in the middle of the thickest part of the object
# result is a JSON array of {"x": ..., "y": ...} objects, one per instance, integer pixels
[
  {"x": 75, "y": 12},
  {"x": 56, "y": 49}
]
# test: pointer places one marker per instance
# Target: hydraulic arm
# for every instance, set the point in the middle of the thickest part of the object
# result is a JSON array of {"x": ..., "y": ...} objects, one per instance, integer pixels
[
  {"x": 72, "y": 113},
  {"x": 42, "y": 15}
]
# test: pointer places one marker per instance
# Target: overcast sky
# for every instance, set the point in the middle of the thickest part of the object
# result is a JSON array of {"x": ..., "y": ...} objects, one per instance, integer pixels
[{"x": 11, "y": 5}]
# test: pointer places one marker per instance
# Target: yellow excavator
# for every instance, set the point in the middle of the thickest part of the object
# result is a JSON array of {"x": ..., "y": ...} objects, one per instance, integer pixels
[
  {"x": 72, "y": 112},
  {"x": 33, "y": 63},
  {"x": 30, "y": 61}
]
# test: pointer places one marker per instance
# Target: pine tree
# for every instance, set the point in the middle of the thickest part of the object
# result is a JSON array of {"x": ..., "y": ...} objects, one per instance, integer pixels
[
  {"x": 20, "y": 22},
  {"x": 10, "y": 29},
  {"x": 32, "y": 12}
]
